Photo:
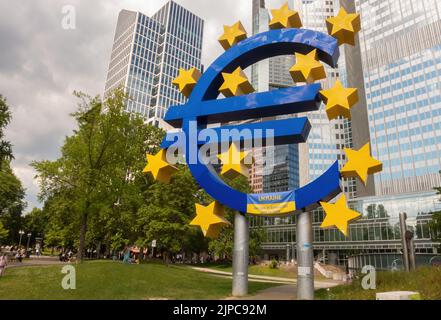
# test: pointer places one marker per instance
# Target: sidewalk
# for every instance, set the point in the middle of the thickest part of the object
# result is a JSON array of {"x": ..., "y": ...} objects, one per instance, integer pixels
[
  {"x": 286, "y": 292},
  {"x": 318, "y": 284},
  {"x": 36, "y": 261}
]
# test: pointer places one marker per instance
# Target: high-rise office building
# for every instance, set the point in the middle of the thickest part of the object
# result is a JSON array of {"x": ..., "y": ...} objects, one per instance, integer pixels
[
  {"x": 147, "y": 54},
  {"x": 401, "y": 50},
  {"x": 272, "y": 74},
  {"x": 376, "y": 238},
  {"x": 327, "y": 139},
  {"x": 297, "y": 165}
]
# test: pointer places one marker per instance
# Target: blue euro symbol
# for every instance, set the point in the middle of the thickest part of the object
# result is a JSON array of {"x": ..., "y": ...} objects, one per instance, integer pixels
[{"x": 204, "y": 108}]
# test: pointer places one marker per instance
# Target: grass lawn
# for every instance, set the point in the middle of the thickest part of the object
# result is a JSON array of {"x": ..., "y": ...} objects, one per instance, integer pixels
[
  {"x": 256, "y": 270},
  {"x": 114, "y": 280},
  {"x": 426, "y": 281}
]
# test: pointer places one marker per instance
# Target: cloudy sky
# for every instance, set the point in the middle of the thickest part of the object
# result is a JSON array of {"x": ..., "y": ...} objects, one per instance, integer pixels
[{"x": 41, "y": 64}]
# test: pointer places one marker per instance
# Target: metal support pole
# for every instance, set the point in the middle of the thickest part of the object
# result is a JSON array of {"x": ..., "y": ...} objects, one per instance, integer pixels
[
  {"x": 293, "y": 250},
  {"x": 19, "y": 242},
  {"x": 240, "y": 256},
  {"x": 28, "y": 254},
  {"x": 412, "y": 263},
  {"x": 287, "y": 253},
  {"x": 27, "y": 244},
  {"x": 403, "y": 229},
  {"x": 305, "y": 257}
]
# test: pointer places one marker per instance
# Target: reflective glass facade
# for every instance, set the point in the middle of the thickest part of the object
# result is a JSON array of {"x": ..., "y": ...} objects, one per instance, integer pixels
[
  {"x": 271, "y": 74},
  {"x": 375, "y": 239},
  {"x": 401, "y": 49},
  {"x": 181, "y": 48},
  {"x": 327, "y": 139},
  {"x": 147, "y": 54},
  {"x": 377, "y": 233},
  {"x": 284, "y": 174},
  {"x": 297, "y": 165}
]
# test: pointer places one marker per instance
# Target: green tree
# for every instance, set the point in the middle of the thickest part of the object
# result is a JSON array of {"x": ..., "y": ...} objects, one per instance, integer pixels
[
  {"x": 35, "y": 222},
  {"x": 257, "y": 236},
  {"x": 167, "y": 213},
  {"x": 11, "y": 201},
  {"x": 5, "y": 118},
  {"x": 223, "y": 246},
  {"x": 11, "y": 189},
  {"x": 3, "y": 233},
  {"x": 97, "y": 166},
  {"x": 435, "y": 224}
]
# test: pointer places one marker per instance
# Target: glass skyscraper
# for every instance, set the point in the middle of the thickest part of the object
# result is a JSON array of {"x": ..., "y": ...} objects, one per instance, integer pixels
[
  {"x": 297, "y": 165},
  {"x": 147, "y": 54},
  {"x": 271, "y": 74},
  {"x": 401, "y": 49},
  {"x": 327, "y": 139},
  {"x": 375, "y": 239}
]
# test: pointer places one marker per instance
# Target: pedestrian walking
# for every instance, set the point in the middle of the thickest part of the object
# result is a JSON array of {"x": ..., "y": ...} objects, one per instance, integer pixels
[
  {"x": 3, "y": 263},
  {"x": 37, "y": 250}
]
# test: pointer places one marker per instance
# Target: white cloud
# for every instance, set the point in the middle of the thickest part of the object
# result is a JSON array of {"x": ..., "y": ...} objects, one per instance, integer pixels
[{"x": 41, "y": 64}]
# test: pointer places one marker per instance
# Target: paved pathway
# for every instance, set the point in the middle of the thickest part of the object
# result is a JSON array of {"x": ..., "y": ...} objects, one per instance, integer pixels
[
  {"x": 36, "y": 261},
  {"x": 286, "y": 292},
  {"x": 319, "y": 284}
]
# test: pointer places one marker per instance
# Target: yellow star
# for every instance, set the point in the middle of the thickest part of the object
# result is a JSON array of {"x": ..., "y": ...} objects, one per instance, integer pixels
[
  {"x": 187, "y": 80},
  {"x": 232, "y": 35},
  {"x": 232, "y": 162},
  {"x": 285, "y": 18},
  {"x": 338, "y": 215},
  {"x": 344, "y": 26},
  {"x": 360, "y": 164},
  {"x": 307, "y": 68},
  {"x": 339, "y": 100},
  {"x": 235, "y": 84},
  {"x": 158, "y": 166},
  {"x": 210, "y": 219}
]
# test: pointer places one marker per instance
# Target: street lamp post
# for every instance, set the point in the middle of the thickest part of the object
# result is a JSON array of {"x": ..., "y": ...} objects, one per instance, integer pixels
[
  {"x": 27, "y": 245},
  {"x": 21, "y": 232}
]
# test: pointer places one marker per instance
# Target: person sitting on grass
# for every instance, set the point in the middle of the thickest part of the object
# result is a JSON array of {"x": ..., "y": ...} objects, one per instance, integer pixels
[{"x": 3, "y": 263}]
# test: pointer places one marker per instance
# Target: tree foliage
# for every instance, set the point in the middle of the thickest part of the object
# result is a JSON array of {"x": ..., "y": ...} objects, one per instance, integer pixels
[
  {"x": 11, "y": 189},
  {"x": 3, "y": 233},
  {"x": 5, "y": 118},
  {"x": 11, "y": 201},
  {"x": 95, "y": 194},
  {"x": 93, "y": 177},
  {"x": 223, "y": 246},
  {"x": 167, "y": 212},
  {"x": 435, "y": 224}
]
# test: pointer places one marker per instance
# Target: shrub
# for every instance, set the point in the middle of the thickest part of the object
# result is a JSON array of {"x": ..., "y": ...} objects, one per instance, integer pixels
[{"x": 274, "y": 264}]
